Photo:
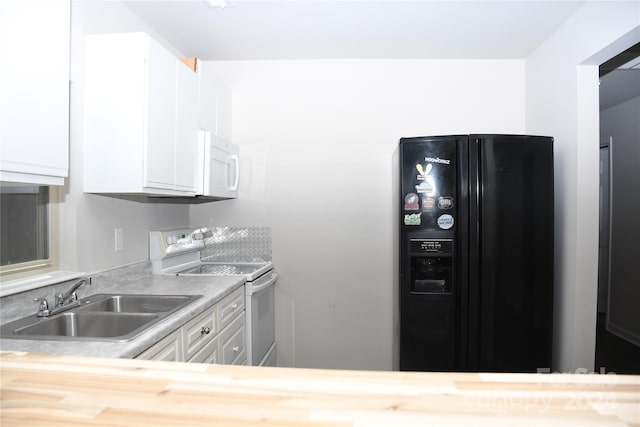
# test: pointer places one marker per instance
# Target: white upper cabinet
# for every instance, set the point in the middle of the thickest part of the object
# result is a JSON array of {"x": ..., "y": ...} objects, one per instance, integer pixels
[
  {"x": 215, "y": 102},
  {"x": 189, "y": 148},
  {"x": 157, "y": 73},
  {"x": 34, "y": 91},
  {"x": 141, "y": 130}
]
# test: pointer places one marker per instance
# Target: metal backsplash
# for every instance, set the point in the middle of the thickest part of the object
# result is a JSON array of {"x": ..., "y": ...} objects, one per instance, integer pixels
[{"x": 237, "y": 244}]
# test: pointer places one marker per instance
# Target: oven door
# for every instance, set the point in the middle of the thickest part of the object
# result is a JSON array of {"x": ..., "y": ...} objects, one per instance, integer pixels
[{"x": 260, "y": 312}]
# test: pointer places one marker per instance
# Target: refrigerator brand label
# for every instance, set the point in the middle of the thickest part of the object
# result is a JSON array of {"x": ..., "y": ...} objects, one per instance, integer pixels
[
  {"x": 411, "y": 201},
  {"x": 445, "y": 221},
  {"x": 437, "y": 160},
  {"x": 412, "y": 219}
]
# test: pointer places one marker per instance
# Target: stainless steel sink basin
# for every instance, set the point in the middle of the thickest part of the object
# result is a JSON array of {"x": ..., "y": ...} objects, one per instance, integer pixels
[
  {"x": 76, "y": 324},
  {"x": 100, "y": 317},
  {"x": 135, "y": 303}
]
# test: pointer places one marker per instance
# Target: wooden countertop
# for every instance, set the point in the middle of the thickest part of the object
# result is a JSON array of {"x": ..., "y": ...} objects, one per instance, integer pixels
[{"x": 54, "y": 390}]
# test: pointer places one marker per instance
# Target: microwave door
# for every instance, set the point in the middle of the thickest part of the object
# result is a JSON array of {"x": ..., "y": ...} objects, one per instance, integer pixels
[
  {"x": 222, "y": 171},
  {"x": 233, "y": 173}
]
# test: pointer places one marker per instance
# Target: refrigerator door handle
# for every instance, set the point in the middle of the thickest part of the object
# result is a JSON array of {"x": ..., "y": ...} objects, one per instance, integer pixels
[{"x": 474, "y": 281}]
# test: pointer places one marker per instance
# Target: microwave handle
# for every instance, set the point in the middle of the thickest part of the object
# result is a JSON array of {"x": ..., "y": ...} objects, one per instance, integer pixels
[{"x": 234, "y": 158}]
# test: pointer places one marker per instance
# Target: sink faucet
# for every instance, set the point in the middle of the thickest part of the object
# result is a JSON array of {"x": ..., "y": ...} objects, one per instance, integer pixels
[
  {"x": 71, "y": 295},
  {"x": 61, "y": 300}
]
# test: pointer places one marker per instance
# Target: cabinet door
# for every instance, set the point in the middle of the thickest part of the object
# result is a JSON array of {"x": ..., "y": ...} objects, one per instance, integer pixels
[
  {"x": 207, "y": 110},
  {"x": 207, "y": 354},
  {"x": 215, "y": 102},
  {"x": 159, "y": 149},
  {"x": 34, "y": 88},
  {"x": 169, "y": 349},
  {"x": 223, "y": 121},
  {"x": 114, "y": 112},
  {"x": 199, "y": 332},
  {"x": 188, "y": 148}
]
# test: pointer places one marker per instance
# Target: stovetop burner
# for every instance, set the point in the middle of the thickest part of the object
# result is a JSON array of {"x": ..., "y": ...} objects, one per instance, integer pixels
[
  {"x": 250, "y": 270},
  {"x": 222, "y": 269}
]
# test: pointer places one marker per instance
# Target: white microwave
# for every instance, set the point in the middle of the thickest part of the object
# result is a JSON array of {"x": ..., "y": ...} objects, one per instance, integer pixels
[{"x": 221, "y": 167}]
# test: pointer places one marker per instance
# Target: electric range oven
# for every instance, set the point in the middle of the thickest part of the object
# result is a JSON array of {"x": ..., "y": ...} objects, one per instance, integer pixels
[{"x": 177, "y": 252}]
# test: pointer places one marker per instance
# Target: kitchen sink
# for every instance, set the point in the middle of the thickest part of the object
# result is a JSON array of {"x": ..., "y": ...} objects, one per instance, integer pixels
[
  {"x": 76, "y": 324},
  {"x": 135, "y": 303},
  {"x": 100, "y": 317}
]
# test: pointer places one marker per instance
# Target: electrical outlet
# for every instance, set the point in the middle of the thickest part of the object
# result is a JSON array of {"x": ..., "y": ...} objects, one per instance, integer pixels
[{"x": 117, "y": 237}]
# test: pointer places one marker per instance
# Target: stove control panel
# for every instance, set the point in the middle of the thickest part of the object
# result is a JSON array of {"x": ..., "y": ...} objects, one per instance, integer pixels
[
  {"x": 168, "y": 248},
  {"x": 167, "y": 243}
]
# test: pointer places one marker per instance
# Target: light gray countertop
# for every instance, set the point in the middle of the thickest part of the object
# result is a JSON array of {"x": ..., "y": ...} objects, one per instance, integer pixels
[{"x": 213, "y": 290}]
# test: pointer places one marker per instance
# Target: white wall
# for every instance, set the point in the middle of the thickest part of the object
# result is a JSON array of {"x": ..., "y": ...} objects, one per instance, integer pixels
[
  {"x": 87, "y": 221},
  {"x": 562, "y": 100},
  {"x": 317, "y": 140}
]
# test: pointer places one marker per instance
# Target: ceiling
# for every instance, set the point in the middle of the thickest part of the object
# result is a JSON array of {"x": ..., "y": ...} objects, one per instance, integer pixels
[
  {"x": 323, "y": 29},
  {"x": 331, "y": 29}
]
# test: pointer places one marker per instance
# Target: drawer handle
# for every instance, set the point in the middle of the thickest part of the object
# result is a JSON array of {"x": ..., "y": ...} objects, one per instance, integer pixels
[
  {"x": 236, "y": 349},
  {"x": 205, "y": 331}
]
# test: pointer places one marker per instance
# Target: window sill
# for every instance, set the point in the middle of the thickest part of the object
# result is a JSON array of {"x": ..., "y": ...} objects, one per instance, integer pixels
[{"x": 15, "y": 286}]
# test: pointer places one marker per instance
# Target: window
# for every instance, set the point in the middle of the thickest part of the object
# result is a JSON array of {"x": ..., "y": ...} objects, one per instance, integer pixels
[{"x": 25, "y": 231}]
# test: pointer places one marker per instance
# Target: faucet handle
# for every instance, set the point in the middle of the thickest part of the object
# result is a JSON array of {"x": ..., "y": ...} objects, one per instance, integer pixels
[
  {"x": 43, "y": 307},
  {"x": 59, "y": 299}
]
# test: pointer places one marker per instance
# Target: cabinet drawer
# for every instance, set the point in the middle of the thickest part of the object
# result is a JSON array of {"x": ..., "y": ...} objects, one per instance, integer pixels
[
  {"x": 199, "y": 332},
  {"x": 231, "y": 306},
  {"x": 169, "y": 349},
  {"x": 232, "y": 342}
]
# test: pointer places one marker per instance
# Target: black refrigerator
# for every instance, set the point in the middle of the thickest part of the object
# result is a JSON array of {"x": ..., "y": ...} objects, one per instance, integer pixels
[{"x": 476, "y": 253}]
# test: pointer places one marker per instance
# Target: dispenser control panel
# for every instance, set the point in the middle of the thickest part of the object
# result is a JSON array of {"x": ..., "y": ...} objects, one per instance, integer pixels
[{"x": 442, "y": 246}]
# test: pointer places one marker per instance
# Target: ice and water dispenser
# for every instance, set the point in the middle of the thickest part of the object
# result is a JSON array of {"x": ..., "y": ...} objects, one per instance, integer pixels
[{"x": 431, "y": 265}]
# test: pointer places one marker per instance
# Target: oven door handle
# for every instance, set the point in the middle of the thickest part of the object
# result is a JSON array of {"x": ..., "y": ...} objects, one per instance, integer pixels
[{"x": 261, "y": 287}]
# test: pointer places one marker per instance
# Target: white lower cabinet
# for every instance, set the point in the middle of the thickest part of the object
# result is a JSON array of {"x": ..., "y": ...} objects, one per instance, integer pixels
[
  {"x": 199, "y": 332},
  {"x": 232, "y": 342},
  {"x": 207, "y": 354},
  {"x": 169, "y": 349},
  {"x": 216, "y": 335},
  {"x": 230, "y": 307}
]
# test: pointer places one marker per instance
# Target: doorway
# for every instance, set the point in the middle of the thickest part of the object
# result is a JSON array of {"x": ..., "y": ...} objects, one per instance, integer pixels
[{"x": 618, "y": 320}]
